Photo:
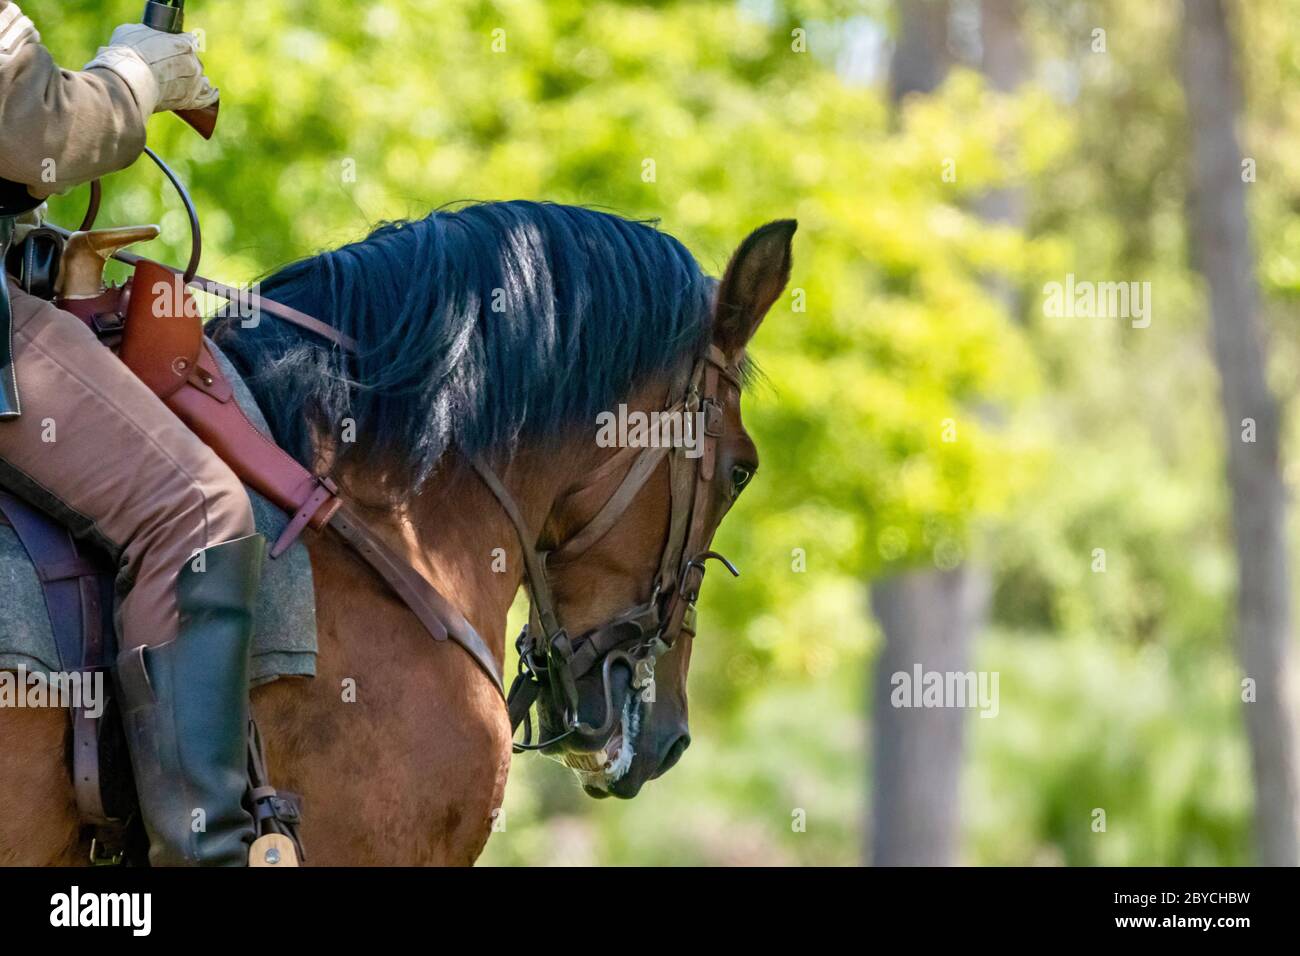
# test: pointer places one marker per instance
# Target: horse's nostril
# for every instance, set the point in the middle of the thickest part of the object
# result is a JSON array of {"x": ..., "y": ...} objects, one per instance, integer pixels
[{"x": 674, "y": 754}]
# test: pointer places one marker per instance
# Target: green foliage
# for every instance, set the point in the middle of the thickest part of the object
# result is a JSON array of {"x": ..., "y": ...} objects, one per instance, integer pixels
[{"x": 1085, "y": 727}]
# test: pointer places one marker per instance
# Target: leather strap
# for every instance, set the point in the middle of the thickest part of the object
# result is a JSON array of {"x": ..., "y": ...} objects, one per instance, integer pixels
[
  {"x": 85, "y": 729},
  {"x": 608, "y": 516},
  {"x": 77, "y": 602},
  {"x": 681, "y": 475},
  {"x": 539, "y": 587},
  {"x": 523, "y": 694},
  {"x": 206, "y": 404},
  {"x": 435, "y": 612},
  {"x": 274, "y": 811},
  {"x": 54, "y": 555},
  {"x": 280, "y": 311},
  {"x": 324, "y": 493},
  {"x": 643, "y": 619},
  {"x": 686, "y": 574}
]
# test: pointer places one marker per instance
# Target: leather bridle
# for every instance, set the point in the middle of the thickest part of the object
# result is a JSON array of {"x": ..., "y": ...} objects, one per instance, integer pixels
[{"x": 552, "y": 660}]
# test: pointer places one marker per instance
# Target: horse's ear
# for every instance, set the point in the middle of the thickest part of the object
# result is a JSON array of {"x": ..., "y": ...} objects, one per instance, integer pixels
[{"x": 755, "y": 277}]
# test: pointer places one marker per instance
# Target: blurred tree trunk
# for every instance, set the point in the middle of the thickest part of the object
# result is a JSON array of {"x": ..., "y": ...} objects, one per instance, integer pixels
[
  {"x": 921, "y": 58},
  {"x": 1002, "y": 41},
  {"x": 929, "y": 618},
  {"x": 917, "y": 752},
  {"x": 1221, "y": 240},
  {"x": 1003, "y": 64}
]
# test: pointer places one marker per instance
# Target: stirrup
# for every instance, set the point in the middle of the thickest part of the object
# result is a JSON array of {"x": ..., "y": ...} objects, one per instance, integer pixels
[{"x": 276, "y": 813}]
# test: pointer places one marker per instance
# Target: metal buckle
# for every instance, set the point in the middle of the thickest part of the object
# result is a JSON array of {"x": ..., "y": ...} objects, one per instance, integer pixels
[
  {"x": 528, "y": 659},
  {"x": 689, "y": 617},
  {"x": 100, "y": 858},
  {"x": 691, "y": 402},
  {"x": 108, "y": 323},
  {"x": 644, "y": 672}
]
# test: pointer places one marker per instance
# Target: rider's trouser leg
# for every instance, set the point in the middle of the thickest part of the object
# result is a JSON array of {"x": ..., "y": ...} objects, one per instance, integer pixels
[{"x": 96, "y": 448}]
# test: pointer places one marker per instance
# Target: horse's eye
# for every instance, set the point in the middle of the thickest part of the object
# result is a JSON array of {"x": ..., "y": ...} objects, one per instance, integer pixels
[{"x": 740, "y": 477}]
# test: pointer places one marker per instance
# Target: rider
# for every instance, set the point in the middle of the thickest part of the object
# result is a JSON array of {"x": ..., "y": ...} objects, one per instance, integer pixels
[{"x": 94, "y": 447}]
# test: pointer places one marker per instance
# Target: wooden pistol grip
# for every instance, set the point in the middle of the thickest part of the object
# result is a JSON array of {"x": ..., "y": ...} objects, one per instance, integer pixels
[
  {"x": 203, "y": 121},
  {"x": 81, "y": 272}
]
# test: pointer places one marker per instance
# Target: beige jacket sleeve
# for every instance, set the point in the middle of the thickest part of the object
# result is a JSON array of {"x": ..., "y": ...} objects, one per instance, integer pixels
[{"x": 59, "y": 128}]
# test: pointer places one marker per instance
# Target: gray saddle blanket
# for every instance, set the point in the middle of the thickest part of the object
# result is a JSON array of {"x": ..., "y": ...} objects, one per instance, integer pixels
[{"x": 284, "y": 642}]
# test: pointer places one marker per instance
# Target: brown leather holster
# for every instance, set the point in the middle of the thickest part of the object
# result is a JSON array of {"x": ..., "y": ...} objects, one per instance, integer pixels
[
  {"x": 164, "y": 331},
  {"x": 162, "y": 343}
]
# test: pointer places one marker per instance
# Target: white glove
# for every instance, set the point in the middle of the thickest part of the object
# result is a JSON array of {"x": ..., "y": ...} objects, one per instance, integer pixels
[
  {"x": 29, "y": 221},
  {"x": 16, "y": 30},
  {"x": 162, "y": 69}
]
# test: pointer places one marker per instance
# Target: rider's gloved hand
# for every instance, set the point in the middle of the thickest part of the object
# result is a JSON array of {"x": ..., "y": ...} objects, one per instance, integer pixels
[
  {"x": 162, "y": 69},
  {"x": 15, "y": 30}
]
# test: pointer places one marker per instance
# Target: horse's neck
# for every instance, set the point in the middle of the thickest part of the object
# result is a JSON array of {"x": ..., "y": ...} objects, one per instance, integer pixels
[
  {"x": 472, "y": 549},
  {"x": 457, "y": 534},
  {"x": 433, "y": 729}
]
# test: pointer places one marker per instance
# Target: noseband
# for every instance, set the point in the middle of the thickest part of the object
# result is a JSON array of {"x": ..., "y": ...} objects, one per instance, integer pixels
[{"x": 552, "y": 660}]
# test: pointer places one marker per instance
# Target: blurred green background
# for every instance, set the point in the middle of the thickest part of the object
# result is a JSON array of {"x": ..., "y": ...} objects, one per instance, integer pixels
[{"x": 909, "y": 306}]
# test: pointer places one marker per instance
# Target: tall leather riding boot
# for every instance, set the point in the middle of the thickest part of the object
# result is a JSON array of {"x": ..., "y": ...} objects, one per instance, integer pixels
[{"x": 185, "y": 710}]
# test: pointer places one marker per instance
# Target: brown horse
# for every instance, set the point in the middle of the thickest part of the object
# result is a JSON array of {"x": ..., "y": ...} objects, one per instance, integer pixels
[{"x": 401, "y": 745}]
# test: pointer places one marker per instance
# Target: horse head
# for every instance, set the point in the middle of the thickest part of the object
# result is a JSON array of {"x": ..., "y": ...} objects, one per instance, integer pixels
[{"x": 630, "y": 543}]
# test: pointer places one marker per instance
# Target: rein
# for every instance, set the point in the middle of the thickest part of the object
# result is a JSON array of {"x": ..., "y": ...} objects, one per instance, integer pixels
[{"x": 549, "y": 657}]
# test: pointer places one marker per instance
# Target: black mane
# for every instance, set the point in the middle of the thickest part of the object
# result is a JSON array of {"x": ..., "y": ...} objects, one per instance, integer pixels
[{"x": 476, "y": 328}]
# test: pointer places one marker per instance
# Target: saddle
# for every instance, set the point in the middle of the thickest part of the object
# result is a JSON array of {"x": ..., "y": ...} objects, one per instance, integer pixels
[{"x": 153, "y": 324}]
